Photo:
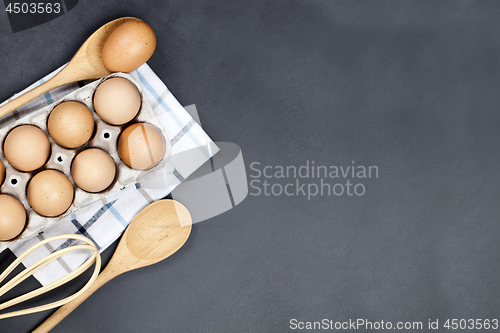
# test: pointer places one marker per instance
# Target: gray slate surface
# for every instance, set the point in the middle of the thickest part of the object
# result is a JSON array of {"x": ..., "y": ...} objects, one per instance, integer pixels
[{"x": 409, "y": 86}]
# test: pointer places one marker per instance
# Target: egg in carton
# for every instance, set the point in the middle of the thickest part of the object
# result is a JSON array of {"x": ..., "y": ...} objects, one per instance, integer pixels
[{"x": 105, "y": 137}]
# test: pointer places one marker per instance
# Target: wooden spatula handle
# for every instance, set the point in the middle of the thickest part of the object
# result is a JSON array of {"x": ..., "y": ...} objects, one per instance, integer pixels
[
  {"x": 15, "y": 104},
  {"x": 66, "y": 309}
]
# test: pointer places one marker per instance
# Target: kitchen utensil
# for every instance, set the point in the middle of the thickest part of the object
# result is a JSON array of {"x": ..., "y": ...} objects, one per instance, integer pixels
[
  {"x": 95, "y": 257},
  {"x": 86, "y": 64},
  {"x": 156, "y": 233}
]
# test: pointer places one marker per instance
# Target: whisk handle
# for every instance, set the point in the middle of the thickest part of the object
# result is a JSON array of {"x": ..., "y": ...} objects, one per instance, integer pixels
[{"x": 66, "y": 309}]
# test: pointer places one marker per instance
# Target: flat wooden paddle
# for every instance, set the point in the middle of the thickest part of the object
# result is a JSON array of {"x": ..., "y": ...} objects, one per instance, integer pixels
[
  {"x": 156, "y": 233},
  {"x": 86, "y": 64}
]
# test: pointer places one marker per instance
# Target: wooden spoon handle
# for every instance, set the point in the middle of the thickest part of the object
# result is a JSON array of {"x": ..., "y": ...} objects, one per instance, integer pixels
[
  {"x": 15, "y": 104},
  {"x": 66, "y": 309}
]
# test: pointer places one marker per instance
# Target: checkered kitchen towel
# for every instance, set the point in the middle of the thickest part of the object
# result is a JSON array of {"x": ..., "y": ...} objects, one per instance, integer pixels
[{"x": 104, "y": 221}]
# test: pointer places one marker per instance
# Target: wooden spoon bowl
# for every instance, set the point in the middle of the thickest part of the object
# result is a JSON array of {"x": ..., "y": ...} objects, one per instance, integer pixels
[{"x": 156, "y": 233}]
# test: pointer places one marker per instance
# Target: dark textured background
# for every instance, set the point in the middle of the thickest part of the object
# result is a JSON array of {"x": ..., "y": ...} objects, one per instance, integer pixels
[{"x": 409, "y": 86}]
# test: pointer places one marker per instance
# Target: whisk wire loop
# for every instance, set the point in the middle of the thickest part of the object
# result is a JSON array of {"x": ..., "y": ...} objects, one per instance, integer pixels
[{"x": 95, "y": 257}]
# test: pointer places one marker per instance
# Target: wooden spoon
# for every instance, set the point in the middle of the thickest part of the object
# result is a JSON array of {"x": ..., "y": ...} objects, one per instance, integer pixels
[
  {"x": 86, "y": 64},
  {"x": 156, "y": 233}
]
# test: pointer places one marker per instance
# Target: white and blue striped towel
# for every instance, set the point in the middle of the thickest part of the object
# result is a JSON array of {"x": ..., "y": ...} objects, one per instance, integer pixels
[{"x": 104, "y": 221}]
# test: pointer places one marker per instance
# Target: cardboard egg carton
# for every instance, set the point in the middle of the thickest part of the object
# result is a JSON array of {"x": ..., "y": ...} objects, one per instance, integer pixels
[{"x": 105, "y": 137}]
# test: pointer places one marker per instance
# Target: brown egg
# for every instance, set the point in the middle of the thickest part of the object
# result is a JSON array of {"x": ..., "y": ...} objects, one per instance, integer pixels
[
  {"x": 141, "y": 146},
  {"x": 70, "y": 124},
  {"x": 117, "y": 101},
  {"x": 12, "y": 217},
  {"x": 26, "y": 148},
  {"x": 50, "y": 193},
  {"x": 2, "y": 172},
  {"x": 128, "y": 47},
  {"x": 93, "y": 170}
]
